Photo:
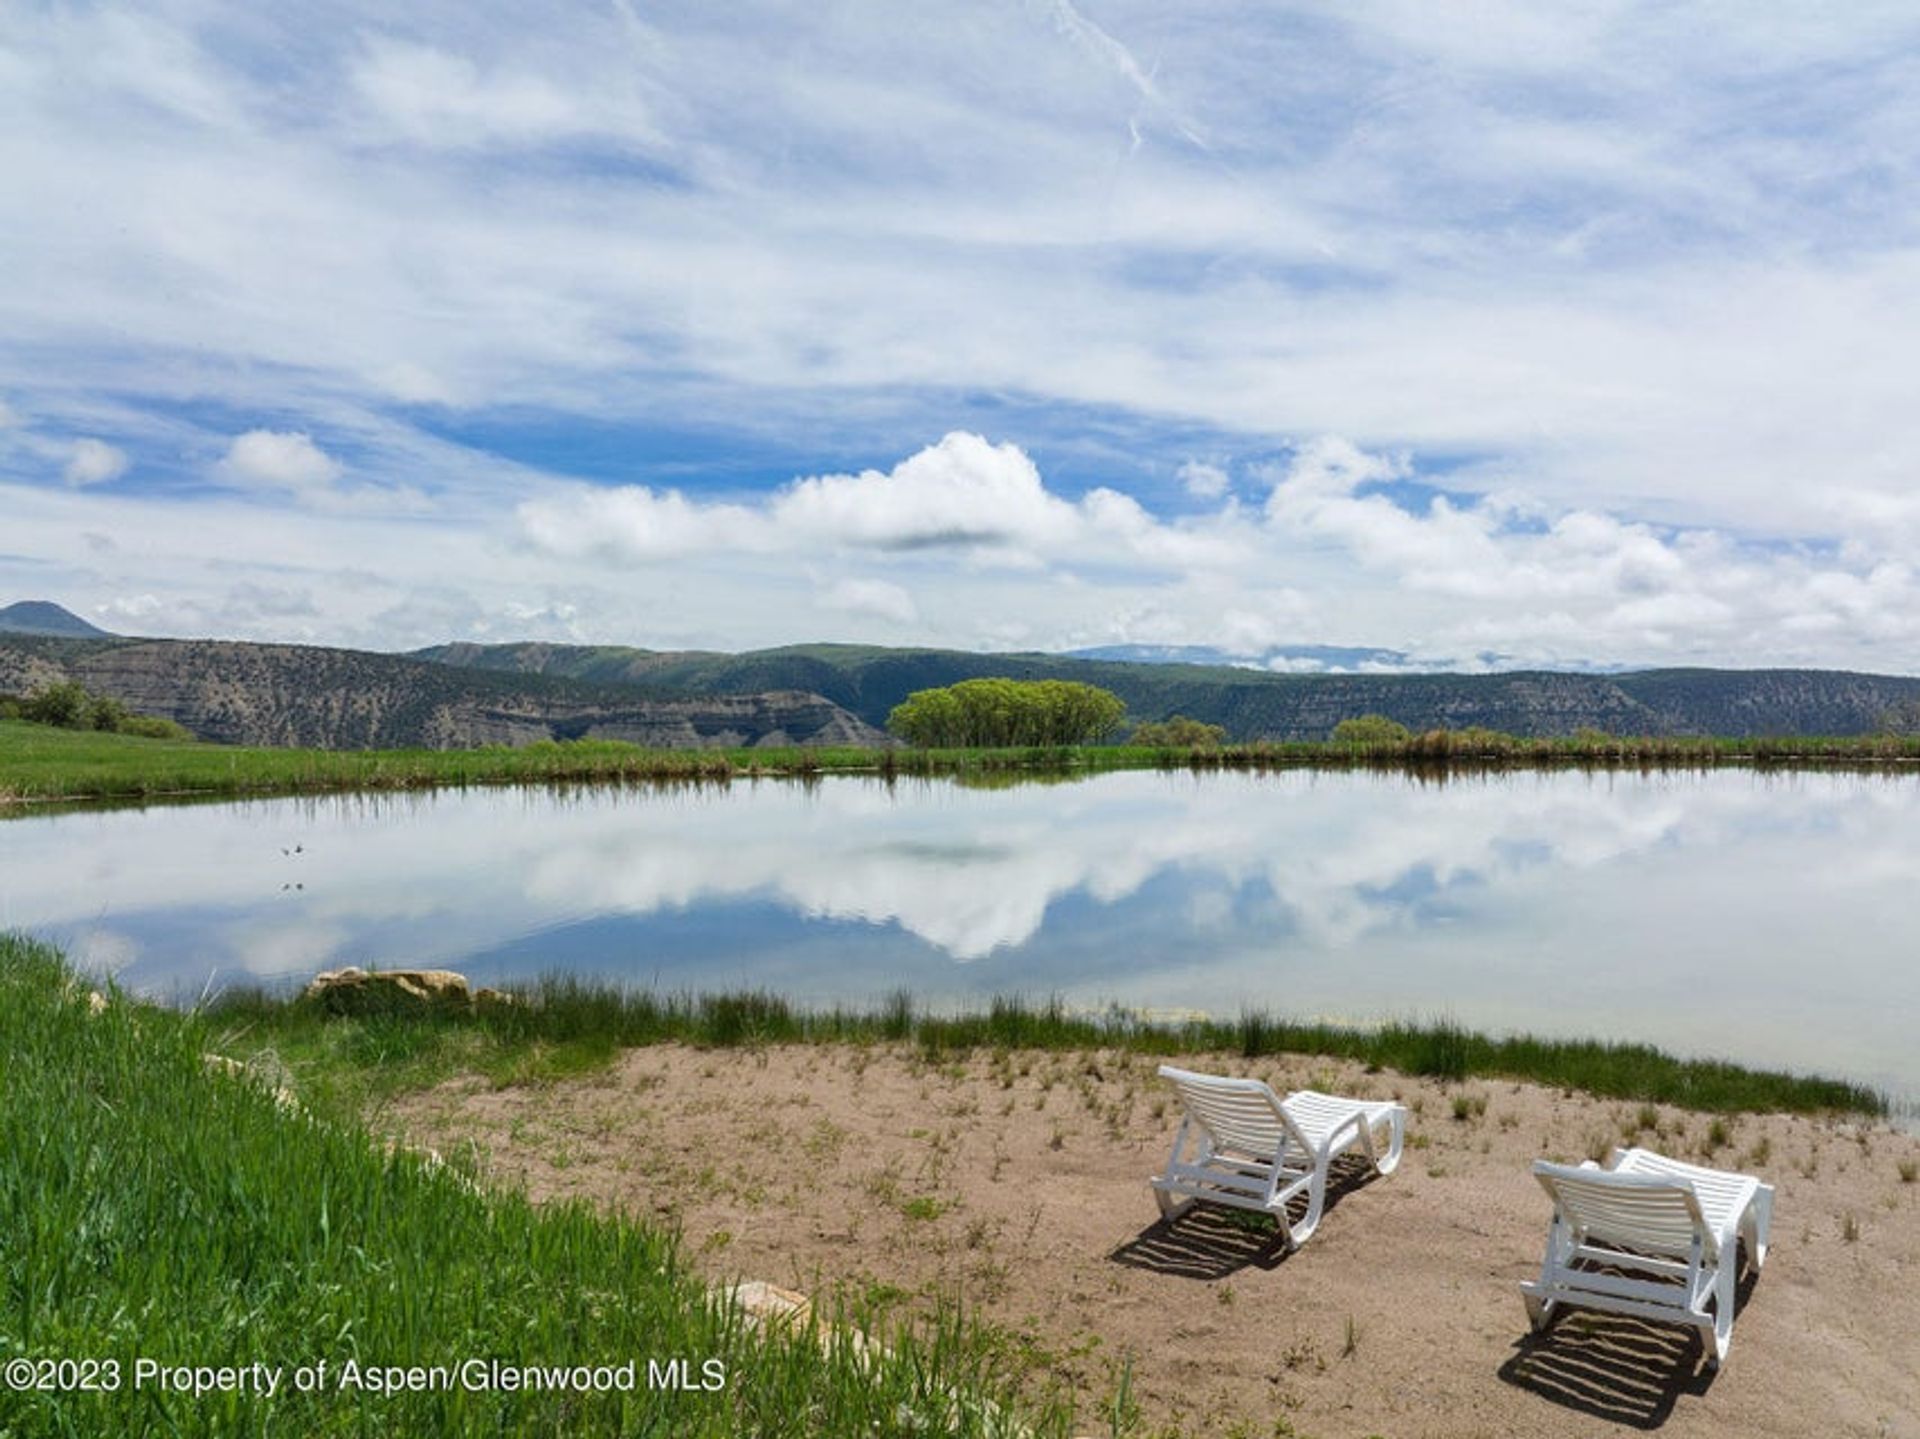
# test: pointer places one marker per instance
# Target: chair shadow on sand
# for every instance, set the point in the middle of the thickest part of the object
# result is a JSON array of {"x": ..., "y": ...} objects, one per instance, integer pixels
[
  {"x": 1208, "y": 1241},
  {"x": 1629, "y": 1371}
]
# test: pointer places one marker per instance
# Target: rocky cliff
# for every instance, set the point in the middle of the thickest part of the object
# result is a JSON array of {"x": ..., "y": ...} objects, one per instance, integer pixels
[{"x": 237, "y": 693}]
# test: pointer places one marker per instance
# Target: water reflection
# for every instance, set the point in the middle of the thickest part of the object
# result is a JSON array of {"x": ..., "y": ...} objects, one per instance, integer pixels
[{"x": 1725, "y": 912}]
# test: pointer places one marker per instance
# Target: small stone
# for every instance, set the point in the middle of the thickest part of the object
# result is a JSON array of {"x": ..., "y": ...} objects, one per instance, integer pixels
[{"x": 762, "y": 1302}]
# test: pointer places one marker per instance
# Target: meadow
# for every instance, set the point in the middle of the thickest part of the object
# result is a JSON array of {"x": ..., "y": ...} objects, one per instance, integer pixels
[{"x": 155, "y": 1207}]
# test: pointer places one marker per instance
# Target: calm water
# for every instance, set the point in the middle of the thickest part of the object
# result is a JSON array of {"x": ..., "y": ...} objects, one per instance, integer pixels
[{"x": 1771, "y": 920}]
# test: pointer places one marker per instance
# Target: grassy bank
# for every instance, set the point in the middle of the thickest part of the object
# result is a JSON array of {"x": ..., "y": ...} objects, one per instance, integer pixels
[
  {"x": 39, "y": 762},
  {"x": 154, "y": 1209},
  {"x": 565, "y": 1025}
]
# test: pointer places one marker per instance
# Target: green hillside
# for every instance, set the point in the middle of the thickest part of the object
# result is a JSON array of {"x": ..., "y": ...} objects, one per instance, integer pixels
[{"x": 870, "y": 680}]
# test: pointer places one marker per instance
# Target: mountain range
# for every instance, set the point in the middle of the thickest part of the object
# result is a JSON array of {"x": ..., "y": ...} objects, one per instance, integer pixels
[
  {"x": 454, "y": 695},
  {"x": 1254, "y": 704}
]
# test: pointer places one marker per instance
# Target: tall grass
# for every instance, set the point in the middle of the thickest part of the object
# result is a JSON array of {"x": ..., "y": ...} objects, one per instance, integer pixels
[
  {"x": 564, "y": 1023},
  {"x": 39, "y": 762},
  {"x": 152, "y": 1208}
]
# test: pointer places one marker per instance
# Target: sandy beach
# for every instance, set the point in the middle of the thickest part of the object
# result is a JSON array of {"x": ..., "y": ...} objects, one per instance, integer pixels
[{"x": 1017, "y": 1182}]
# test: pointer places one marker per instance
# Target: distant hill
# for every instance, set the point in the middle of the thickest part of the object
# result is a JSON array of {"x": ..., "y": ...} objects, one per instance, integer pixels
[
  {"x": 43, "y": 617},
  {"x": 1310, "y": 659},
  {"x": 1278, "y": 657},
  {"x": 240, "y": 693},
  {"x": 1252, "y": 704}
]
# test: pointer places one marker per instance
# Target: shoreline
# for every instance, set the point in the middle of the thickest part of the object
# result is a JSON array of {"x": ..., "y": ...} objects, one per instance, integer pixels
[
  {"x": 40, "y": 764},
  {"x": 563, "y": 1025}
]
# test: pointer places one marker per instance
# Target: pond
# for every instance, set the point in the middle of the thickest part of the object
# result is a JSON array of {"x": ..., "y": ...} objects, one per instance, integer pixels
[{"x": 1764, "y": 918}]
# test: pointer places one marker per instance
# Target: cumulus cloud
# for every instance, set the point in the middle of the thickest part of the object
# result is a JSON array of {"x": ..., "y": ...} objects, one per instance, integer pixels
[
  {"x": 963, "y": 494},
  {"x": 289, "y": 464},
  {"x": 281, "y": 460},
  {"x": 634, "y": 522},
  {"x": 1581, "y": 582},
  {"x": 93, "y": 462},
  {"x": 963, "y": 491}
]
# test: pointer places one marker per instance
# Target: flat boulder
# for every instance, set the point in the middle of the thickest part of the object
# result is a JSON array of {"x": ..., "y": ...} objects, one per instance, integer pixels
[{"x": 354, "y": 990}]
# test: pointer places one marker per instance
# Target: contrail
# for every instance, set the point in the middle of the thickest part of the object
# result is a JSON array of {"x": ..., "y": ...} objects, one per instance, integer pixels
[{"x": 1103, "y": 47}]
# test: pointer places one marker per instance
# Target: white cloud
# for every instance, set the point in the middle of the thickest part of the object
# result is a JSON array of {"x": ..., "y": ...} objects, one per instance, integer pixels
[
  {"x": 435, "y": 97},
  {"x": 289, "y": 463},
  {"x": 963, "y": 494},
  {"x": 1684, "y": 328},
  {"x": 93, "y": 462},
  {"x": 635, "y": 522},
  {"x": 130, "y": 607},
  {"x": 1203, "y": 481},
  {"x": 879, "y": 598},
  {"x": 279, "y": 459}
]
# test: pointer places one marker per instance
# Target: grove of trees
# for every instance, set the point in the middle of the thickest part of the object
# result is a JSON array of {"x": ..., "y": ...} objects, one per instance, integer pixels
[
  {"x": 996, "y": 713},
  {"x": 1179, "y": 732},
  {"x": 1371, "y": 729},
  {"x": 68, "y": 704}
]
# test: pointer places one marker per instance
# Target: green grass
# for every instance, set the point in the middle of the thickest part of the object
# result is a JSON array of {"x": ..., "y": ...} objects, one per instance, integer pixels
[
  {"x": 568, "y": 1025},
  {"x": 153, "y": 1209},
  {"x": 40, "y": 762}
]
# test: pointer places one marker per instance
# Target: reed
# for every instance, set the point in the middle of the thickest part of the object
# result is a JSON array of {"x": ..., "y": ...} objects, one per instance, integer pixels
[{"x": 563, "y": 1024}]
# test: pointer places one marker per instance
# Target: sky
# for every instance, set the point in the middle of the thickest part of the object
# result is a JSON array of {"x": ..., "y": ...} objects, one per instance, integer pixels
[{"x": 1498, "y": 335}]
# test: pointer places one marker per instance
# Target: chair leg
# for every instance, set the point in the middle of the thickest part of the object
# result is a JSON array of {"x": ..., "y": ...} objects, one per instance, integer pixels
[
  {"x": 1539, "y": 1310},
  {"x": 1298, "y": 1234},
  {"x": 1539, "y": 1307},
  {"x": 1170, "y": 1208},
  {"x": 1396, "y": 1140},
  {"x": 1756, "y": 1224},
  {"x": 1726, "y": 1283}
]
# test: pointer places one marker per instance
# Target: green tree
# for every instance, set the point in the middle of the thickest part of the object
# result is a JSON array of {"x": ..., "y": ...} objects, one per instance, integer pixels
[
  {"x": 104, "y": 713},
  {"x": 1179, "y": 732},
  {"x": 64, "y": 702},
  {"x": 1371, "y": 729},
  {"x": 1004, "y": 713}
]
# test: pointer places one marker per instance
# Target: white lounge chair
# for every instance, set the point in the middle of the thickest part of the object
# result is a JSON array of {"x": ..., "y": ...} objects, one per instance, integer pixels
[
  {"x": 1675, "y": 1229},
  {"x": 1254, "y": 1150}
]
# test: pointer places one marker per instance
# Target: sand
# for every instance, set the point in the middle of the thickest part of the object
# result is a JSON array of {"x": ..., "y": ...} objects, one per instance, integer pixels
[{"x": 1018, "y": 1183}]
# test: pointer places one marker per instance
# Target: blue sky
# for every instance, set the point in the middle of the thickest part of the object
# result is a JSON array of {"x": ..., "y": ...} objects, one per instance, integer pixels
[{"x": 1572, "y": 334}]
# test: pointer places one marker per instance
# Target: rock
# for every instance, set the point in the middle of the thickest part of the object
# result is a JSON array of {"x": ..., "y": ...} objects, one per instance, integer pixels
[
  {"x": 761, "y": 1303},
  {"x": 487, "y": 998},
  {"x": 225, "y": 1064},
  {"x": 96, "y": 1002},
  {"x": 354, "y": 990}
]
